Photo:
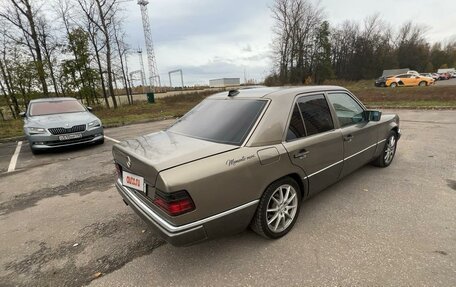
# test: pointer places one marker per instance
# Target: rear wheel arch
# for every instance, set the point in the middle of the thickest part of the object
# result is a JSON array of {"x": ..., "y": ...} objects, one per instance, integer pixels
[
  {"x": 296, "y": 177},
  {"x": 300, "y": 183}
]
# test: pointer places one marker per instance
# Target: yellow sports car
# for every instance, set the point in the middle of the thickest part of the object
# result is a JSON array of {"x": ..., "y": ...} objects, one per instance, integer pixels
[{"x": 408, "y": 80}]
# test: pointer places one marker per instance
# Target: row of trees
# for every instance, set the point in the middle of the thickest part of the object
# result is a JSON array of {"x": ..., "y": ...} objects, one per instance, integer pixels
[
  {"x": 61, "y": 48},
  {"x": 306, "y": 49}
]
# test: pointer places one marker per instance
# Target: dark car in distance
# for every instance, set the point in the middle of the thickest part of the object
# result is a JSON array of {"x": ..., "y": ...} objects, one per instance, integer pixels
[{"x": 380, "y": 82}]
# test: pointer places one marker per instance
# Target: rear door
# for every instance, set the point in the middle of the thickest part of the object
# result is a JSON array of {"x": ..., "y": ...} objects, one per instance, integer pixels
[
  {"x": 359, "y": 135},
  {"x": 313, "y": 143}
]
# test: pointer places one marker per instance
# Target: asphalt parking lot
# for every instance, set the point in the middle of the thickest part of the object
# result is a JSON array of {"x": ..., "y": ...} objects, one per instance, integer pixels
[
  {"x": 64, "y": 224},
  {"x": 450, "y": 82}
]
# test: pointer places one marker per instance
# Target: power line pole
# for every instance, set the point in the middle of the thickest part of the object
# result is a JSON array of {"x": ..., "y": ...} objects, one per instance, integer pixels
[
  {"x": 141, "y": 63},
  {"x": 154, "y": 78}
]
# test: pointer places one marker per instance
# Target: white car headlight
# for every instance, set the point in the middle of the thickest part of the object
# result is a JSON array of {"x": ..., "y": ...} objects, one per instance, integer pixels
[
  {"x": 33, "y": 130},
  {"x": 93, "y": 124}
]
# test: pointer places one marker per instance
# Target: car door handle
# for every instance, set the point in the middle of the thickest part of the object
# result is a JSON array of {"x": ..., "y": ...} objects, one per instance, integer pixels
[
  {"x": 301, "y": 154},
  {"x": 348, "y": 138}
]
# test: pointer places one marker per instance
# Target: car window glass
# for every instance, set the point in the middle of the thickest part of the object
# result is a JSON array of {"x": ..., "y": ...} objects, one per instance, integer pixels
[
  {"x": 55, "y": 107},
  {"x": 403, "y": 76},
  {"x": 315, "y": 113},
  {"x": 348, "y": 111},
  {"x": 296, "y": 127},
  {"x": 223, "y": 121}
]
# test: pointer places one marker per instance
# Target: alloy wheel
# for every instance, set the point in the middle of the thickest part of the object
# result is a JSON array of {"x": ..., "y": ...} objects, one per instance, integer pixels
[
  {"x": 390, "y": 149},
  {"x": 281, "y": 208}
]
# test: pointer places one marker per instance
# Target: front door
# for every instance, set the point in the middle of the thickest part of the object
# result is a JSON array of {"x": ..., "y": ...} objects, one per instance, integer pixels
[
  {"x": 312, "y": 142},
  {"x": 359, "y": 135}
]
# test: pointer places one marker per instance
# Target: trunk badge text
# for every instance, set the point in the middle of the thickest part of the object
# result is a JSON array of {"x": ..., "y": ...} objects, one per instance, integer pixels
[{"x": 128, "y": 162}]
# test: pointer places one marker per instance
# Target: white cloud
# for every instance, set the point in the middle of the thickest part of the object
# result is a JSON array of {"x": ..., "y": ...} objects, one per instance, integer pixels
[{"x": 211, "y": 39}]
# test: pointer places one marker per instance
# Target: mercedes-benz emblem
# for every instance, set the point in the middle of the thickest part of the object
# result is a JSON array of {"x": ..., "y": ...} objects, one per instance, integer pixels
[{"x": 128, "y": 162}]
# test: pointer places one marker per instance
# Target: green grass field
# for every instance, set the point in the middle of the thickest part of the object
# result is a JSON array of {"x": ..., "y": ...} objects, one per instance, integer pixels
[{"x": 434, "y": 97}]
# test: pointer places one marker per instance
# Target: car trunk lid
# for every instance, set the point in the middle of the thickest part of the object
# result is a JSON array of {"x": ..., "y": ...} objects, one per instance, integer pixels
[{"x": 152, "y": 153}]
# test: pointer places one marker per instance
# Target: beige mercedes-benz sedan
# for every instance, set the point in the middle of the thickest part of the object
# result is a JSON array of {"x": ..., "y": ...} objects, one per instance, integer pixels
[{"x": 248, "y": 158}]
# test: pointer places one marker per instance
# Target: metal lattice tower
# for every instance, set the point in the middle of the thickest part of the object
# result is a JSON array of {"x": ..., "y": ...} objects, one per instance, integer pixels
[{"x": 154, "y": 78}]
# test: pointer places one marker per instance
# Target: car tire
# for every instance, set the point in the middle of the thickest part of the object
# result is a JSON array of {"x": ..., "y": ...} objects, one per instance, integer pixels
[
  {"x": 422, "y": 84},
  {"x": 393, "y": 85},
  {"x": 278, "y": 209},
  {"x": 388, "y": 152}
]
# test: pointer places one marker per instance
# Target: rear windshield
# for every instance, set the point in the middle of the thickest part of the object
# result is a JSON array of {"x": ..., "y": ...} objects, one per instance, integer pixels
[
  {"x": 55, "y": 107},
  {"x": 223, "y": 121}
]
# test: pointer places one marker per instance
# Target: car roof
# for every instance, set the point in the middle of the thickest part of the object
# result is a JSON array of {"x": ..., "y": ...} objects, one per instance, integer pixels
[
  {"x": 270, "y": 129},
  {"x": 55, "y": 99},
  {"x": 275, "y": 92}
]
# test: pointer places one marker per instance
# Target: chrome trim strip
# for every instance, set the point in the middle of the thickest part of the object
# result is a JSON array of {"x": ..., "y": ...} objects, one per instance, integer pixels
[
  {"x": 340, "y": 161},
  {"x": 329, "y": 166},
  {"x": 361, "y": 151},
  {"x": 167, "y": 227}
]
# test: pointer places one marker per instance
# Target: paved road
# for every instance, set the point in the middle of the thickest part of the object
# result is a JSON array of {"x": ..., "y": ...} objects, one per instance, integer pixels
[
  {"x": 62, "y": 222},
  {"x": 450, "y": 82}
]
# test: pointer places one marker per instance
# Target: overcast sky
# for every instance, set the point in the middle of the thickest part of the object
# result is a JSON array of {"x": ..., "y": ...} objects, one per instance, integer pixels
[{"x": 211, "y": 39}]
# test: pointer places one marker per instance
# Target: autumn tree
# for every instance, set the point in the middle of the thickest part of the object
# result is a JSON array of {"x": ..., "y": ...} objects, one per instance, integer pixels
[
  {"x": 22, "y": 15},
  {"x": 323, "y": 67}
]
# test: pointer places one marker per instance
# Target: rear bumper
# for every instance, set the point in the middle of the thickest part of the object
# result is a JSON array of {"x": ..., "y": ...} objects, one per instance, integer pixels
[
  {"x": 49, "y": 141},
  {"x": 225, "y": 223}
]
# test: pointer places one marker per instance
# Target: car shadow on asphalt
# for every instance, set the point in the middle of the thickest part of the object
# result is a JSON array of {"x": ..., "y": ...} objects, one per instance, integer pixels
[
  {"x": 309, "y": 209},
  {"x": 66, "y": 150}
]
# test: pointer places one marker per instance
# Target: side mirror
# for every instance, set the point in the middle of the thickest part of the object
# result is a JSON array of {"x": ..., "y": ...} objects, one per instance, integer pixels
[
  {"x": 374, "y": 116},
  {"x": 22, "y": 114},
  {"x": 89, "y": 109}
]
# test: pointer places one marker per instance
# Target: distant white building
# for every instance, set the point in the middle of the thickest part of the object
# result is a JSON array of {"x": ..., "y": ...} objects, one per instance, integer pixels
[
  {"x": 450, "y": 70},
  {"x": 224, "y": 82}
]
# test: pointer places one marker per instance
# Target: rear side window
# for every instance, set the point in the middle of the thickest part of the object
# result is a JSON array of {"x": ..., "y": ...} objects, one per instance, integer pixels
[
  {"x": 296, "y": 127},
  {"x": 404, "y": 76},
  {"x": 316, "y": 114}
]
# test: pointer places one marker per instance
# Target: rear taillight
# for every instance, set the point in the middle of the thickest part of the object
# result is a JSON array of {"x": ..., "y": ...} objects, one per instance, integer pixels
[
  {"x": 118, "y": 170},
  {"x": 175, "y": 203}
]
